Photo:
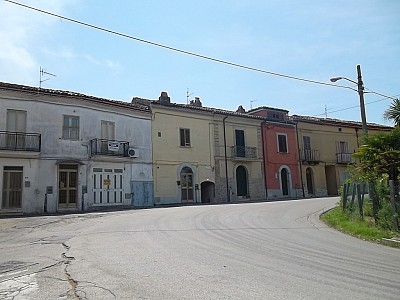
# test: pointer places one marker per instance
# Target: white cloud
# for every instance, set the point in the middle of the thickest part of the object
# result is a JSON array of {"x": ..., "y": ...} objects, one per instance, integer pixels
[{"x": 21, "y": 33}]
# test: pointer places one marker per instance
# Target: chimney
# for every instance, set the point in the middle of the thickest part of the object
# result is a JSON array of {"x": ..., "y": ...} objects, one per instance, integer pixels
[
  {"x": 196, "y": 102},
  {"x": 164, "y": 99},
  {"x": 240, "y": 110}
]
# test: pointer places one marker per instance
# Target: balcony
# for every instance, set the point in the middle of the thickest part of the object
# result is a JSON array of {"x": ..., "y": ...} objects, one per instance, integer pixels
[
  {"x": 109, "y": 148},
  {"x": 20, "y": 141},
  {"x": 344, "y": 158},
  {"x": 309, "y": 155},
  {"x": 244, "y": 152}
]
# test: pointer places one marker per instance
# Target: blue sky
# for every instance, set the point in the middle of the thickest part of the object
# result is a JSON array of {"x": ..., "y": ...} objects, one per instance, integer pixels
[{"x": 314, "y": 40}]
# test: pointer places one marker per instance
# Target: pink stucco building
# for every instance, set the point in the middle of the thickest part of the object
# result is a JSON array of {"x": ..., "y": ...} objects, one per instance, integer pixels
[{"x": 281, "y": 167}]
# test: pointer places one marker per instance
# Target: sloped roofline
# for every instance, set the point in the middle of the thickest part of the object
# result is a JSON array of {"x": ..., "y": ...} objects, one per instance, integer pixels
[
  {"x": 336, "y": 122},
  {"x": 68, "y": 94}
]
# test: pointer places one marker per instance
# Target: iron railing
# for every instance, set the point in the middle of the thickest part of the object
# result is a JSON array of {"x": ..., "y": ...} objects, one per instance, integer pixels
[
  {"x": 244, "y": 152},
  {"x": 309, "y": 155},
  {"x": 344, "y": 158},
  {"x": 20, "y": 141},
  {"x": 109, "y": 147}
]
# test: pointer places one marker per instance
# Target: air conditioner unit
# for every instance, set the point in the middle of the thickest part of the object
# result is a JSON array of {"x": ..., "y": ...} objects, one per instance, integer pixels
[{"x": 134, "y": 153}]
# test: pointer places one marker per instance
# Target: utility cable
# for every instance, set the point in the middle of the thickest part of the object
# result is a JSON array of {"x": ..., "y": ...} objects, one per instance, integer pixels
[
  {"x": 190, "y": 53},
  {"x": 176, "y": 49},
  {"x": 357, "y": 106}
]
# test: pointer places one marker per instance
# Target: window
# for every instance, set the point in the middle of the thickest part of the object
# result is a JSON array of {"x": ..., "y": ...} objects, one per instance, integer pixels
[
  {"x": 282, "y": 143},
  {"x": 107, "y": 130},
  {"x": 70, "y": 128},
  {"x": 342, "y": 147},
  {"x": 185, "y": 137},
  {"x": 239, "y": 143},
  {"x": 307, "y": 142},
  {"x": 16, "y": 127},
  {"x": 16, "y": 120}
]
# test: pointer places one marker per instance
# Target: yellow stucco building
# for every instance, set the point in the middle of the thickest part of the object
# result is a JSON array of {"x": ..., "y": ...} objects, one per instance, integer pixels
[
  {"x": 204, "y": 155},
  {"x": 325, "y": 150}
]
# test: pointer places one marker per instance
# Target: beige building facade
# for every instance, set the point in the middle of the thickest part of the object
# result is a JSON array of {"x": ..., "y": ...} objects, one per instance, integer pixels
[
  {"x": 238, "y": 171},
  {"x": 325, "y": 150},
  {"x": 183, "y": 158},
  {"x": 204, "y": 155}
]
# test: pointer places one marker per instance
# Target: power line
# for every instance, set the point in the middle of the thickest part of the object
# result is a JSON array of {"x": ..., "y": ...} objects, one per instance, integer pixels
[
  {"x": 199, "y": 55},
  {"x": 357, "y": 106},
  {"x": 178, "y": 50}
]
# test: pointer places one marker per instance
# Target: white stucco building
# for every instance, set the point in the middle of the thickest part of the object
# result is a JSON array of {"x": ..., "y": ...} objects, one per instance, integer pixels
[{"x": 67, "y": 151}]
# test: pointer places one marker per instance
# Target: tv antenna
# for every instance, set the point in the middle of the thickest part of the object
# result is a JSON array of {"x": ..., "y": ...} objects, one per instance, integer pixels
[
  {"x": 42, "y": 73},
  {"x": 188, "y": 95},
  {"x": 251, "y": 103}
]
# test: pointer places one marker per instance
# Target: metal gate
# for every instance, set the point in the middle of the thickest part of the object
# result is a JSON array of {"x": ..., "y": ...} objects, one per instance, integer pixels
[{"x": 107, "y": 186}]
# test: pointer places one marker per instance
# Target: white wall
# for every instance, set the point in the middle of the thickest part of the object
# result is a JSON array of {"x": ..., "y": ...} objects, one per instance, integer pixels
[{"x": 45, "y": 116}]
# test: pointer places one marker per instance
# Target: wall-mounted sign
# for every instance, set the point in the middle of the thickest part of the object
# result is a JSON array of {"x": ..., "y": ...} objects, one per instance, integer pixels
[
  {"x": 113, "y": 146},
  {"x": 106, "y": 181}
]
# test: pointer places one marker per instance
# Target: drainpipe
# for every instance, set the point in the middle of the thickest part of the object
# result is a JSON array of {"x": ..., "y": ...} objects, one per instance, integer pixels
[
  {"x": 358, "y": 142},
  {"x": 264, "y": 154},
  {"x": 228, "y": 195},
  {"x": 300, "y": 164}
]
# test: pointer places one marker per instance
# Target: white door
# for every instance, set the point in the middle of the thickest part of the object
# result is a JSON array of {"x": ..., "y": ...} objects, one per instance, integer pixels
[{"x": 108, "y": 186}]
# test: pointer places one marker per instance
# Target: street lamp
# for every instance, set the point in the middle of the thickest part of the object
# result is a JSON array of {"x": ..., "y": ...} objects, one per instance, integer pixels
[{"x": 360, "y": 91}]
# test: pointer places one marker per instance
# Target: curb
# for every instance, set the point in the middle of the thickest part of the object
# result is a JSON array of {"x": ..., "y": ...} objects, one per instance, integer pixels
[{"x": 391, "y": 242}]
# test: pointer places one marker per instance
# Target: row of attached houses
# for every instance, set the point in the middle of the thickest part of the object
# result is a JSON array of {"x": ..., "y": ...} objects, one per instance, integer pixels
[{"x": 61, "y": 150}]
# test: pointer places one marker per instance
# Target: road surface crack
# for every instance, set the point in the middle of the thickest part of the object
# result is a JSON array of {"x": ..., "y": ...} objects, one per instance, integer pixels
[{"x": 72, "y": 282}]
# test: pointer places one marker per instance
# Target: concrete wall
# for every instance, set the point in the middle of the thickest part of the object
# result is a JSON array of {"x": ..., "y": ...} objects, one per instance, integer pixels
[{"x": 45, "y": 116}]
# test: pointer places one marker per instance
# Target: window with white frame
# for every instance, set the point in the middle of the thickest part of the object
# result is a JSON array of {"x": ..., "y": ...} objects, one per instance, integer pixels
[
  {"x": 282, "y": 143},
  {"x": 184, "y": 137},
  {"x": 70, "y": 128},
  {"x": 107, "y": 130}
]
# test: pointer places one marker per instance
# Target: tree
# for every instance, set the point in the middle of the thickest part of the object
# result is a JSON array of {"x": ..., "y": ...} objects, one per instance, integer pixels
[
  {"x": 393, "y": 112},
  {"x": 380, "y": 154}
]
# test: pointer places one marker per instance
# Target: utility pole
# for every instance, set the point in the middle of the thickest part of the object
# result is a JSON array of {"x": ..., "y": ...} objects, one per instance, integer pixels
[{"x": 362, "y": 105}]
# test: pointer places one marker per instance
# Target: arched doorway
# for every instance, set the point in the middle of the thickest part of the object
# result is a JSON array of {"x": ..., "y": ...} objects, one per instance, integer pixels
[
  {"x": 241, "y": 181},
  {"x": 309, "y": 181},
  {"x": 285, "y": 182},
  {"x": 187, "y": 190},
  {"x": 207, "y": 192}
]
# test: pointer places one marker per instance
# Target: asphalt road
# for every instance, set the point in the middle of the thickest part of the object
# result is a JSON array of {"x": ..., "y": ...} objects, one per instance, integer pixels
[{"x": 268, "y": 250}]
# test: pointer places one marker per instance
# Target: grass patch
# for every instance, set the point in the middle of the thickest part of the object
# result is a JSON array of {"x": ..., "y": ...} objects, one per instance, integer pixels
[{"x": 353, "y": 225}]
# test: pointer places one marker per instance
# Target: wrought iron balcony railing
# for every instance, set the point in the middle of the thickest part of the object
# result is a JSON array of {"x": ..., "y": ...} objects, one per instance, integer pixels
[
  {"x": 309, "y": 155},
  {"x": 109, "y": 147},
  {"x": 344, "y": 158},
  {"x": 20, "y": 141},
  {"x": 244, "y": 152}
]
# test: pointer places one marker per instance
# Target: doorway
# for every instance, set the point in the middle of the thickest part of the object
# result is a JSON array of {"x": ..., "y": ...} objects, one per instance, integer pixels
[
  {"x": 330, "y": 172},
  {"x": 12, "y": 187},
  {"x": 310, "y": 181},
  {"x": 108, "y": 186},
  {"x": 187, "y": 190},
  {"x": 67, "y": 185},
  {"x": 207, "y": 192},
  {"x": 285, "y": 182},
  {"x": 241, "y": 181}
]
